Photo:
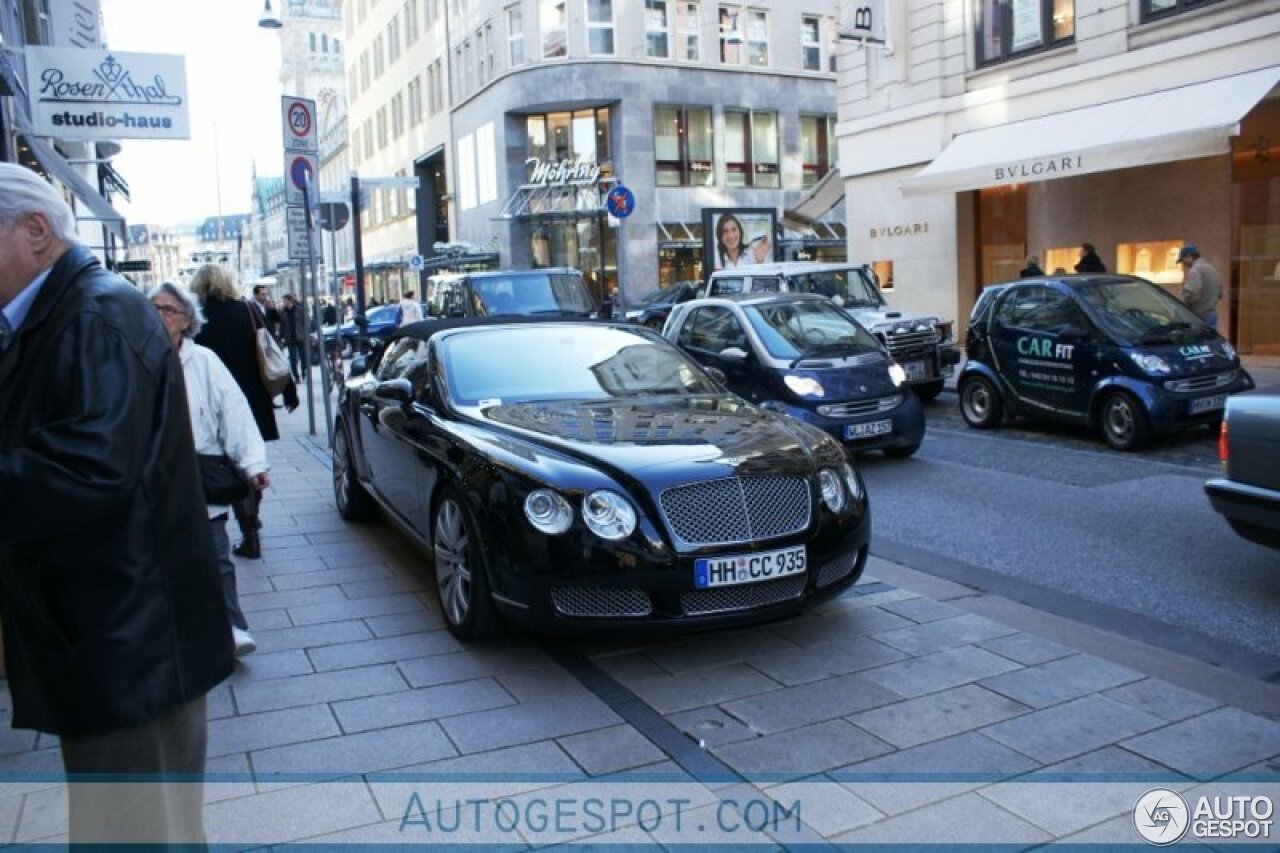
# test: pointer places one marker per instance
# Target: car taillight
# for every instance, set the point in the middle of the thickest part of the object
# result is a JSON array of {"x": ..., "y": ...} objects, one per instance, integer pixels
[{"x": 1224, "y": 447}]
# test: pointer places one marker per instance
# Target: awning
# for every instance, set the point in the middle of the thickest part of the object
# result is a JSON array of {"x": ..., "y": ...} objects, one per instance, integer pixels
[
  {"x": 1175, "y": 124},
  {"x": 58, "y": 167},
  {"x": 826, "y": 194},
  {"x": 557, "y": 201}
]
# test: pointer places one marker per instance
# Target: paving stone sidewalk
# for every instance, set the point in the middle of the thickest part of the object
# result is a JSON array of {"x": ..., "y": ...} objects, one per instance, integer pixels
[{"x": 892, "y": 714}]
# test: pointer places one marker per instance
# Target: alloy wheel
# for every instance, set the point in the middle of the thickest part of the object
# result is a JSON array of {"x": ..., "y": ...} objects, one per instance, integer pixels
[{"x": 453, "y": 570}]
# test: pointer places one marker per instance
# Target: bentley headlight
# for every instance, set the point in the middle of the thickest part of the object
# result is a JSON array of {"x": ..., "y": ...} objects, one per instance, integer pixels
[
  {"x": 854, "y": 483},
  {"x": 548, "y": 512},
  {"x": 897, "y": 374},
  {"x": 608, "y": 514},
  {"x": 805, "y": 386},
  {"x": 833, "y": 493},
  {"x": 1152, "y": 364}
]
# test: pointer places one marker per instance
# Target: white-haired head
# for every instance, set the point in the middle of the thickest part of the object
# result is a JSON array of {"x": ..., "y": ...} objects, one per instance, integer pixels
[{"x": 22, "y": 191}]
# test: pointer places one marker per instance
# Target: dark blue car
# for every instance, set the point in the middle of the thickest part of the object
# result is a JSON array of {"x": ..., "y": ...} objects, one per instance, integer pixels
[
  {"x": 1114, "y": 352},
  {"x": 802, "y": 355}
]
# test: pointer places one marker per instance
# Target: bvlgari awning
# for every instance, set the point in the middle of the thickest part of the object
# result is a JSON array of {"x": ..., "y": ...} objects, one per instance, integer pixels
[
  {"x": 58, "y": 167},
  {"x": 1191, "y": 121}
]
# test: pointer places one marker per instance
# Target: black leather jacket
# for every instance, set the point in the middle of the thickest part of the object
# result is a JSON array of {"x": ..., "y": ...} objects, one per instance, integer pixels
[{"x": 109, "y": 588}]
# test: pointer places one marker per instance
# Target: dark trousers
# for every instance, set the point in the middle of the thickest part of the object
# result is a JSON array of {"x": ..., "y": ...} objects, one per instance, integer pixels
[
  {"x": 165, "y": 805},
  {"x": 246, "y": 512},
  {"x": 295, "y": 358},
  {"x": 222, "y": 547}
]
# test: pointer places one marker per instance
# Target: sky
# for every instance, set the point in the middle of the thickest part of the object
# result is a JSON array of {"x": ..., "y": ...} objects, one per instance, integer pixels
[{"x": 233, "y": 92}]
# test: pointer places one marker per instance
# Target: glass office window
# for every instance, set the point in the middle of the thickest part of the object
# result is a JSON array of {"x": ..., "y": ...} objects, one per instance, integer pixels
[
  {"x": 551, "y": 20},
  {"x": 683, "y": 146},
  {"x": 1009, "y": 28},
  {"x": 811, "y": 43},
  {"x": 757, "y": 37},
  {"x": 687, "y": 25},
  {"x": 600, "y": 27},
  {"x": 751, "y": 148},
  {"x": 515, "y": 37},
  {"x": 656, "y": 29}
]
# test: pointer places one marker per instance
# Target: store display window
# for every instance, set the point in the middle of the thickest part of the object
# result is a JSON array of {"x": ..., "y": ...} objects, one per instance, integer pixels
[{"x": 1156, "y": 261}]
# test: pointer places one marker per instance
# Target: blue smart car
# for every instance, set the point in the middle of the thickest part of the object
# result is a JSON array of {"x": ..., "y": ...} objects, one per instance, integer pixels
[
  {"x": 804, "y": 356},
  {"x": 1114, "y": 352}
]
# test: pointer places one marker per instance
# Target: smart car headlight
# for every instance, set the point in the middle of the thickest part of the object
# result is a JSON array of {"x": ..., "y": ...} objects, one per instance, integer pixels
[
  {"x": 805, "y": 386},
  {"x": 833, "y": 491},
  {"x": 897, "y": 374},
  {"x": 1228, "y": 350},
  {"x": 548, "y": 512},
  {"x": 608, "y": 514},
  {"x": 1152, "y": 364}
]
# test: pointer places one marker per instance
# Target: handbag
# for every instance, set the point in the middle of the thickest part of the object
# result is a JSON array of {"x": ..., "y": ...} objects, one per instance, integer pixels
[
  {"x": 273, "y": 365},
  {"x": 223, "y": 481}
]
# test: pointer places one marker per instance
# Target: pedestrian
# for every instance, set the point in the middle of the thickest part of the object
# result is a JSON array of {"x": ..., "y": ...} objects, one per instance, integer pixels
[
  {"x": 1032, "y": 268},
  {"x": 1089, "y": 260},
  {"x": 410, "y": 309},
  {"x": 222, "y": 426},
  {"x": 293, "y": 327},
  {"x": 114, "y": 629},
  {"x": 265, "y": 308},
  {"x": 1201, "y": 285},
  {"x": 329, "y": 316},
  {"x": 229, "y": 331}
]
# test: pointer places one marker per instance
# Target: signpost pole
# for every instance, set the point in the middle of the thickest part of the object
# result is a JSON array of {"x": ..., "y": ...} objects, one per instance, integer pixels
[
  {"x": 313, "y": 317},
  {"x": 357, "y": 249}
]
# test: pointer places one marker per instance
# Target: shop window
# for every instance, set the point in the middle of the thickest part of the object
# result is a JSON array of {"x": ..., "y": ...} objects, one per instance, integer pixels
[
  {"x": 551, "y": 20},
  {"x": 817, "y": 148},
  {"x": 600, "y": 27},
  {"x": 515, "y": 37},
  {"x": 811, "y": 43},
  {"x": 1155, "y": 9},
  {"x": 883, "y": 271},
  {"x": 580, "y": 135},
  {"x": 656, "y": 29},
  {"x": 751, "y": 148},
  {"x": 683, "y": 145},
  {"x": 1156, "y": 261},
  {"x": 1061, "y": 260},
  {"x": 1010, "y": 28}
]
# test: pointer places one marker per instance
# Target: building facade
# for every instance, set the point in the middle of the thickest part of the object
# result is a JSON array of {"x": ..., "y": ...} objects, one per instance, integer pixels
[
  {"x": 993, "y": 131},
  {"x": 519, "y": 117}
]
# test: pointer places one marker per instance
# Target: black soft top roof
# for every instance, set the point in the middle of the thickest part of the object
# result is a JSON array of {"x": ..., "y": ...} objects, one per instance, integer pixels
[{"x": 424, "y": 330}]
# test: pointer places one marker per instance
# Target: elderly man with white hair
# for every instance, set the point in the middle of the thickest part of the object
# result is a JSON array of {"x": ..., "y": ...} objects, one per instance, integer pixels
[{"x": 110, "y": 596}]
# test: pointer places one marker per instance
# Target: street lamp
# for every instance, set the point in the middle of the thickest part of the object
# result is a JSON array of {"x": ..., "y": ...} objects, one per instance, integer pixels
[{"x": 269, "y": 20}]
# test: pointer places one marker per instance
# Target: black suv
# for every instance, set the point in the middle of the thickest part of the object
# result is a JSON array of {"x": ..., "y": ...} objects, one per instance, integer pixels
[{"x": 555, "y": 292}]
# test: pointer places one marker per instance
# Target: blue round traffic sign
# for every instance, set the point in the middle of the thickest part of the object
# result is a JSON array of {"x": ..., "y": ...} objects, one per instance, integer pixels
[
  {"x": 620, "y": 202},
  {"x": 300, "y": 172}
]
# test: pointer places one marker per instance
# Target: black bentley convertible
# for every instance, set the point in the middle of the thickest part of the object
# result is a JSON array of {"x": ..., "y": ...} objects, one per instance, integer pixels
[{"x": 577, "y": 473}]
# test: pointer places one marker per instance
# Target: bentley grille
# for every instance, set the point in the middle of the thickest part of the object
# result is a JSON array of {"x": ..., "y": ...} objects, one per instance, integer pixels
[
  {"x": 837, "y": 568},
  {"x": 743, "y": 597},
  {"x": 593, "y": 601},
  {"x": 737, "y": 509}
]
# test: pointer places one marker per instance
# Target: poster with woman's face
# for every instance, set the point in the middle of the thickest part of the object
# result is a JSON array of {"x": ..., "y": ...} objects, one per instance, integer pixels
[{"x": 739, "y": 238}]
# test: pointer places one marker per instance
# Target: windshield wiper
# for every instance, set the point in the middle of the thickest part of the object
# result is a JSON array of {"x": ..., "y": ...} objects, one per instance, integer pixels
[
  {"x": 835, "y": 347},
  {"x": 1161, "y": 332}
]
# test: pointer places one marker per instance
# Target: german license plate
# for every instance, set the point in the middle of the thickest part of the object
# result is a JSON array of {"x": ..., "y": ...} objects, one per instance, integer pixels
[
  {"x": 1208, "y": 404},
  {"x": 916, "y": 370},
  {"x": 868, "y": 430},
  {"x": 748, "y": 568}
]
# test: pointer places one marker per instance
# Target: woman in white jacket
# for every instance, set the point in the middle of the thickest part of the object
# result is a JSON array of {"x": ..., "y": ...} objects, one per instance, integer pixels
[{"x": 221, "y": 422}]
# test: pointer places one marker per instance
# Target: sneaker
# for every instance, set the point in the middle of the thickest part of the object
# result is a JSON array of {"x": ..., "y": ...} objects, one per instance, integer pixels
[{"x": 244, "y": 642}]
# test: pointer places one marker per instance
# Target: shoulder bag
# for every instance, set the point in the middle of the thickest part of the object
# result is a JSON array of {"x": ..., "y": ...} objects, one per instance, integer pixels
[
  {"x": 224, "y": 483},
  {"x": 272, "y": 362}
]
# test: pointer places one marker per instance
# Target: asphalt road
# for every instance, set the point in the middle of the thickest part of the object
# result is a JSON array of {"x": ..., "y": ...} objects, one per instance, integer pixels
[{"x": 1053, "y": 518}]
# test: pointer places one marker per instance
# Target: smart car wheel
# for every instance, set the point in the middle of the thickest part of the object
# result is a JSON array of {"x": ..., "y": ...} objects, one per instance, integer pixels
[
  {"x": 980, "y": 403},
  {"x": 354, "y": 503},
  {"x": 1123, "y": 422},
  {"x": 460, "y": 578}
]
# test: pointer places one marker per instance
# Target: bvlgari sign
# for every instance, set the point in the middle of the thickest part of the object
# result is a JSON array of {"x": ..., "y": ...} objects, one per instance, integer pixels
[
  {"x": 562, "y": 172},
  {"x": 100, "y": 94}
]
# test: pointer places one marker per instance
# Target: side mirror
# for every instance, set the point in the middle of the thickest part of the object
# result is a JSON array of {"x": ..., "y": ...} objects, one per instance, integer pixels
[
  {"x": 717, "y": 374},
  {"x": 734, "y": 354},
  {"x": 359, "y": 365},
  {"x": 396, "y": 390}
]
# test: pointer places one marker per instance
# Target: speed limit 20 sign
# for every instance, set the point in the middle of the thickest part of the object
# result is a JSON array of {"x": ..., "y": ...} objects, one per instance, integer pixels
[{"x": 298, "y": 115}]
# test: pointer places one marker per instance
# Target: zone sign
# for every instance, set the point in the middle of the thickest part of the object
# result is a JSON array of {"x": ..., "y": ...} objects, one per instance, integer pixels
[{"x": 298, "y": 115}]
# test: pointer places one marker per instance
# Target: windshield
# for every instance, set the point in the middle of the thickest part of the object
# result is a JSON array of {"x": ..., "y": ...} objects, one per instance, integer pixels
[
  {"x": 792, "y": 330},
  {"x": 561, "y": 362},
  {"x": 1138, "y": 312},
  {"x": 851, "y": 288},
  {"x": 532, "y": 293}
]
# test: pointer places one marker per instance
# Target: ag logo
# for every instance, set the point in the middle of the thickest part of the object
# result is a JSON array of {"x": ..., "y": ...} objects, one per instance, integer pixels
[{"x": 1161, "y": 816}]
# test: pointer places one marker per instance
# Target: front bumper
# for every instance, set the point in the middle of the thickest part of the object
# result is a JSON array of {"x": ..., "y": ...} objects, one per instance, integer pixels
[
  {"x": 907, "y": 421},
  {"x": 1170, "y": 411},
  {"x": 577, "y": 589}
]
